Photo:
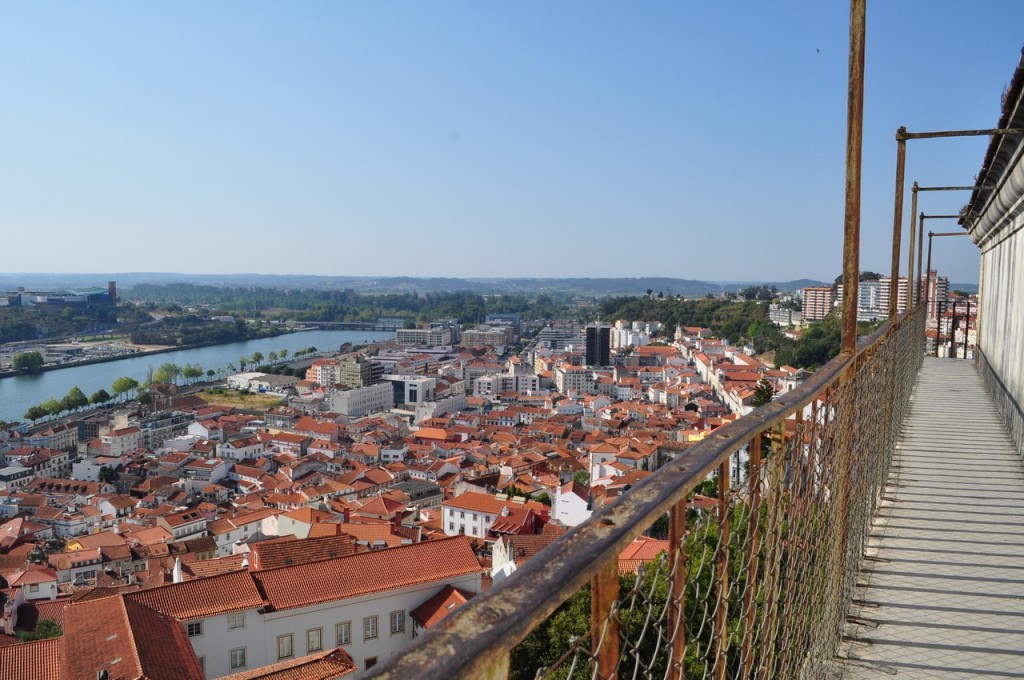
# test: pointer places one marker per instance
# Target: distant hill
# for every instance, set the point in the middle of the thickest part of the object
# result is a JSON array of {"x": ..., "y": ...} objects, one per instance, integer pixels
[
  {"x": 596, "y": 287},
  {"x": 965, "y": 287}
]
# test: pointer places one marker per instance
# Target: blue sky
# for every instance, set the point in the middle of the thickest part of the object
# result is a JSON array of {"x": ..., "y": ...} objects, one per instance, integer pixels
[{"x": 694, "y": 139}]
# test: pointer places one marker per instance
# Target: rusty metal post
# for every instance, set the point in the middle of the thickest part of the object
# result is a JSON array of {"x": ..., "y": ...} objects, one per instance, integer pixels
[
  {"x": 897, "y": 220},
  {"x": 967, "y": 327},
  {"x": 753, "y": 547},
  {"x": 773, "y": 560},
  {"x": 854, "y": 143},
  {"x": 920, "y": 251},
  {"x": 913, "y": 241},
  {"x": 721, "y": 632},
  {"x": 604, "y": 626},
  {"x": 929, "y": 305},
  {"x": 676, "y": 604}
]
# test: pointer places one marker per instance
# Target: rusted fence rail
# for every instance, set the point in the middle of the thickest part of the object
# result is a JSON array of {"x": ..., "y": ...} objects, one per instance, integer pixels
[{"x": 758, "y": 587}]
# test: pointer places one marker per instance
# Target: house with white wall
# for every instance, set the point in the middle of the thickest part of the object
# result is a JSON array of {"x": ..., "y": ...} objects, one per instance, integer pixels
[{"x": 247, "y": 619}]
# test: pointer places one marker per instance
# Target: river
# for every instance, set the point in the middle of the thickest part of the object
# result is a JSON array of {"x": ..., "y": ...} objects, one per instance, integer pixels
[{"x": 19, "y": 393}]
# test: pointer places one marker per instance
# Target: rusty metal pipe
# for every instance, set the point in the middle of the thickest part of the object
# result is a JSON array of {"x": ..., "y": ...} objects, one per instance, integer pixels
[
  {"x": 913, "y": 242},
  {"x": 854, "y": 145},
  {"x": 897, "y": 221},
  {"x": 963, "y": 133}
]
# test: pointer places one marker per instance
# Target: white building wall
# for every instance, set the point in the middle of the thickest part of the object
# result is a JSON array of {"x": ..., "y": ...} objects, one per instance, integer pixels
[{"x": 259, "y": 636}]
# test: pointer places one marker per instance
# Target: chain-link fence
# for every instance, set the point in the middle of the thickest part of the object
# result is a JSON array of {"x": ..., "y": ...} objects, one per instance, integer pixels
[{"x": 755, "y": 583}]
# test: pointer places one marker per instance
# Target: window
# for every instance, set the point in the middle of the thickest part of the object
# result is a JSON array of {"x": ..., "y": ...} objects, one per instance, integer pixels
[
  {"x": 371, "y": 662},
  {"x": 314, "y": 642},
  {"x": 370, "y": 628},
  {"x": 343, "y": 633},
  {"x": 451, "y": 526},
  {"x": 194, "y": 629},
  {"x": 238, "y": 658},
  {"x": 33, "y": 587},
  {"x": 284, "y": 646},
  {"x": 398, "y": 622},
  {"x": 236, "y": 620},
  {"x": 462, "y": 515}
]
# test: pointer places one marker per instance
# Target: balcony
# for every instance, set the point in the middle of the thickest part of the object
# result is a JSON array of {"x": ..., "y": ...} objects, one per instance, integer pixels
[{"x": 874, "y": 533}]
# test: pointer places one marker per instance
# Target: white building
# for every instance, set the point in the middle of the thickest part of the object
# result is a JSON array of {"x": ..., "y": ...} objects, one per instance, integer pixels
[
  {"x": 363, "y": 400},
  {"x": 247, "y": 619}
]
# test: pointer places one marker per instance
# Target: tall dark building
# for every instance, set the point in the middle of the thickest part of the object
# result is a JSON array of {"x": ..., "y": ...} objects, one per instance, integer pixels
[{"x": 599, "y": 342}]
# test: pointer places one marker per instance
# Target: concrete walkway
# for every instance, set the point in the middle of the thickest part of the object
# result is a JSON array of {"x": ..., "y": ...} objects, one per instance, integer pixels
[{"x": 942, "y": 589}]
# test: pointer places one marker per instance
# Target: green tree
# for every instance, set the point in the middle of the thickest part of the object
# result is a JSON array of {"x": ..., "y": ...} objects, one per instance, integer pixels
[
  {"x": 167, "y": 373},
  {"x": 243, "y": 361},
  {"x": 100, "y": 396},
  {"x": 764, "y": 392},
  {"x": 28, "y": 361},
  {"x": 283, "y": 354},
  {"x": 272, "y": 357},
  {"x": 45, "y": 629},
  {"x": 210, "y": 373},
  {"x": 191, "y": 373},
  {"x": 52, "y": 407},
  {"x": 74, "y": 399},
  {"x": 107, "y": 474},
  {"x": 582, "y": 476},
  {"x": 124, "y": 385},
  {"x": 34, "y": 413},
  {"x": 257, "y": 358}
]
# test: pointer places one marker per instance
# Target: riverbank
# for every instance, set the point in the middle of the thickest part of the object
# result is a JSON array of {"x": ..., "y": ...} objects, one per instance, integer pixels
[
  {"x": 20, "y": 392},
  {"x": 160, "y": 349}
]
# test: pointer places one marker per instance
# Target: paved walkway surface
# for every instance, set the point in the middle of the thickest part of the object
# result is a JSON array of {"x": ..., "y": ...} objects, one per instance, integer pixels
[{"x": 942, "y": 589}]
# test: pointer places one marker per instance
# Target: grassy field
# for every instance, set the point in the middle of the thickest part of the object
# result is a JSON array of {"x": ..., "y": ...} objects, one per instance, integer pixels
[{"x": 239, "y": 399}]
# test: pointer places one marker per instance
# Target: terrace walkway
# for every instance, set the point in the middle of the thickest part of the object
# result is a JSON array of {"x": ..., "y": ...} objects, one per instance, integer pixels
[{"x": 941, "y": 594}]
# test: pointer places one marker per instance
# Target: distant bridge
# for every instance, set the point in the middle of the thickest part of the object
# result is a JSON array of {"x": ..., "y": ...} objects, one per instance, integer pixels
[{"x": 349, "y": 325}]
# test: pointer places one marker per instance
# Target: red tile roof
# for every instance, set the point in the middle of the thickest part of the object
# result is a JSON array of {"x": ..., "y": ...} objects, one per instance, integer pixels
[
  {"x": 133, "y": 642},
  {"x": 438, "y": 607},
  {"x": 334, "y": 663},
  {"x": 203, "y": 597},
  {"x": 31, "y": 660},
  {"x": 270, "y": 555},
  {"x": 364, "y": 573}
]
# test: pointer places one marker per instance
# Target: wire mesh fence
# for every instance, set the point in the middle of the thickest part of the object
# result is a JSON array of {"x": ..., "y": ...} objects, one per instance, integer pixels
[
  {"x": 767, "y": 574},
  {"x": 755, "y": 583}
]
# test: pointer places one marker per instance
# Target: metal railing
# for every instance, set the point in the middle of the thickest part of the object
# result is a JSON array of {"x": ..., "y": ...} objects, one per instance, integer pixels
[{"x": 758, "y": 587}]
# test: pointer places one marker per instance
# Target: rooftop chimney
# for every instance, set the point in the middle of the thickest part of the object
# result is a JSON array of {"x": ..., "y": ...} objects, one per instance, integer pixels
[{"x": 177, "y": 578}]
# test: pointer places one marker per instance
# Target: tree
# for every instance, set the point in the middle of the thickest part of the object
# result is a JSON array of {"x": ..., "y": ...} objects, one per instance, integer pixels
[
  {"x": 283, "y": 354},
  {"x": 272, "y": 357},
  {"x": 243, "y": 361},
  {"x": 28, "y": 361},
  {"x": 167, "y": 373},
  {"x": 210, "y": 373},
  {"x": 582, "y": 476},
  {"x": 124, "y": 385},
  {"x": 34, "y": 413},
  {"x": 45, "y": 629},
  {"x": 52, "y": 407},
  {"x": 257, "y": 358},
  {"x": 100, "y": 396},
  {"x": 74, "y": 399},
  {"x": 191, "y": 373},
  {"x": 764, "y": 392},
  {"x": 107, "y": 474}
]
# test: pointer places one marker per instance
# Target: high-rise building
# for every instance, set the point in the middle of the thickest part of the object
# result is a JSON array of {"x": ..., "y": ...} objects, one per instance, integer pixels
[
  {"x": 817, "y": 302},
  {"x": 599, "y": 338},
  {"x": 936, "y": 292}
]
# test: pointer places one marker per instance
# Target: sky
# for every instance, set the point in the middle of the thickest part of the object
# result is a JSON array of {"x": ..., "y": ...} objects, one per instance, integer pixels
[{"x": 693, "y": 139}]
